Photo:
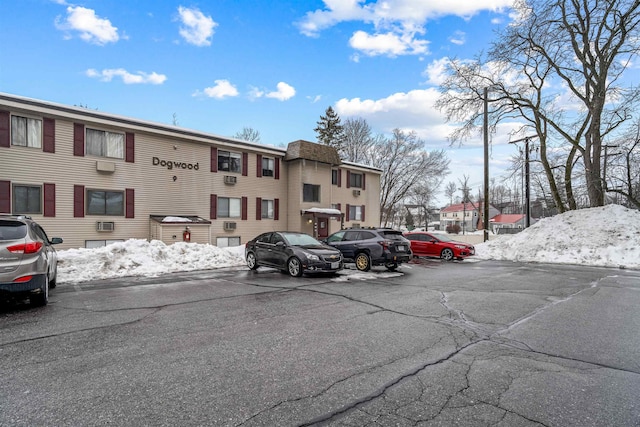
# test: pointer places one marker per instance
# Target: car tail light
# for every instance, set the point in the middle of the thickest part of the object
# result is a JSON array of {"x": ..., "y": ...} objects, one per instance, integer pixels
[
  {"x": 386, "y": 243},
  {"x": 25, "y": 248}
]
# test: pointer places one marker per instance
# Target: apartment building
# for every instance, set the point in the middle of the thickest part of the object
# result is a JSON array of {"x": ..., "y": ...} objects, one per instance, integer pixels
[{"x": 94, "y": 178}]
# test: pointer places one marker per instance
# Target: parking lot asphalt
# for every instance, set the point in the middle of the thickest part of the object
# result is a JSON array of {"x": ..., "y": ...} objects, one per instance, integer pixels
[{"x": 460, "y": 343}]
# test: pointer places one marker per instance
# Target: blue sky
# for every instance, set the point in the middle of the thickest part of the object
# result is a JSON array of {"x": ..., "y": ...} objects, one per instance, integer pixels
[{"x": 222, "y": 65}]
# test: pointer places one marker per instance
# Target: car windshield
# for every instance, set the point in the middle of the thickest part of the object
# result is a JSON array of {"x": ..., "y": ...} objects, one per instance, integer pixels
[
  {"x": 12, "y": 230},
  {"x": 443, "y": 237},
  {"x": 392, "y": 235},
  {"x": 296, "y": 239}
]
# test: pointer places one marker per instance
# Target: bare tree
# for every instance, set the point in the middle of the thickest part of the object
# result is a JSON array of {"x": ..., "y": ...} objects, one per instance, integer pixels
[
  {"x": 404, "y": 163},
  {"x": 450, "y": 191},
  {"x": 584, "y": 46},
  {"x": 248, "y": 134},
  {"x": 358, "y": 141},
  {"x": 623, "y": 173}
]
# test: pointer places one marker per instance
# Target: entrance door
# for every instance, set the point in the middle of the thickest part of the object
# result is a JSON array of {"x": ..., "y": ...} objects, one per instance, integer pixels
[{"x": 323, "y": 228}]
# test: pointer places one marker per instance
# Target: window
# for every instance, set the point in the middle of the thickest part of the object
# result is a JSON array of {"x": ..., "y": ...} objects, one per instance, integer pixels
[
  {"x": 310, "y": 193},
  {"x": 355, "y": 180},
  {"x": 26, "y": 132},
  {"x": 225, "y": 242},
  {"x": 268, "y": 166},
  {"x": 355, "y": 213},
  {"x": 229, "y": 162},
  {"x": 105, "y": 144},
  {"x": 334, "y": 176},
  {"x": 228, "y": 207},
  {"x": 267, "y": 209},
  {"x": 27, "y": 199},
  {"x": 101, "y": 202}
]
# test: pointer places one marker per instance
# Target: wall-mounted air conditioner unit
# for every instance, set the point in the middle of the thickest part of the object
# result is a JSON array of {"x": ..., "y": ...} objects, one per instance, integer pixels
[
  {"x": 229, "y": 226},
  {"x": 230, "y": 179},
  {"x": 105, "y": 226},
  {"x": 356, "y": 192}
]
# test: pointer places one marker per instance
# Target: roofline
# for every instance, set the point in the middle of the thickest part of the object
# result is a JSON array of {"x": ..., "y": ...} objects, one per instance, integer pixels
[{"x": 156, "y": 126}]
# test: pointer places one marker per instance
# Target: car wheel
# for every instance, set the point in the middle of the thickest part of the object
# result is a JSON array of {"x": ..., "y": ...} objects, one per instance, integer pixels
[
  {"x": 446, "y": 254},
  {"x": 295, "y": 267},
  {"x": 252, "y": 262},
  {"x": 363, "y": 262},
  {"x": 391, "y": 266},
  {"x": 41, "y": 299},
  {"x": 53, "y": 282}
]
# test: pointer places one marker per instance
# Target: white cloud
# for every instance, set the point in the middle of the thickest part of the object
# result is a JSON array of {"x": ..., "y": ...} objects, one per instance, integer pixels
[
  {"x": 127, "y": 78},
  {"x": 412, "y": 110},
  {"x": 196, "y": 29},
  {"x": 221, "y": 90},
  {"x": 396, "y": 22},
  {"x": 387, "y": 44},
  {"x": 436, "y": 72},
  {"x": 459, "y": 38},
  {"x": 92, "y": 28},
  {"x": 283, "y": 92}
]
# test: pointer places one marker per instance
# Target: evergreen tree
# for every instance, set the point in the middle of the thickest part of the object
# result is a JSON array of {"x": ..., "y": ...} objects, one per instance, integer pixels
[{"x": 330, "y": 131}]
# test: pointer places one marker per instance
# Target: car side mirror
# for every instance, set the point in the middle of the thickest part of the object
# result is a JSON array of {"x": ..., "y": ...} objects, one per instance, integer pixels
[
  {"x": 280, "y": 244},
  {"x": 56, "y": 240}
]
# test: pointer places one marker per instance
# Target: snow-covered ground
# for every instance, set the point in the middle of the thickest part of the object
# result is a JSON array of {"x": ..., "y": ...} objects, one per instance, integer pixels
[{"x": 606, "y": 236}]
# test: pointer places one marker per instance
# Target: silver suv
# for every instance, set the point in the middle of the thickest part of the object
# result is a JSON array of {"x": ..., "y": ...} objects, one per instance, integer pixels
[
  {"x": 372, "y": 246},
  {"x": 28, "y": 261}
]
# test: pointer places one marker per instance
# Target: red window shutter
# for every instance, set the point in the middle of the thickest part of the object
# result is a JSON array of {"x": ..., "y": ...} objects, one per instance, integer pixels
[
  {"x": 259, "y": 162},
  {"x": 258, "y": 208},
  {"x": 276, "y": 209},
  {"x": 339, "y": 207},
  {"x": 5, "y": 196},
  {"x": 48, "y": 135},
  {"x": 348, "y": 179},
  {"x": 214, "y": 162},
  {"x": 245, "y": 164},
  {"x": 277, "y": 166},
  {"x": 213, "y": 207},
  {"x": 244, "y": 209},
  {"x": 347, "y": 212},
  {"x": 363, "y": 176},
  {"x": 78, "y": 140},
  {"x": 339, "y": 177},
  {"x": 130, "y": 150},
  {"x": 5, "y": 124},
  {"x": 49, "y": 200},
  {"x": 78, "y": 201},
  {"x": 130, "y": 203},
  {"x": 362, "y": 213}
]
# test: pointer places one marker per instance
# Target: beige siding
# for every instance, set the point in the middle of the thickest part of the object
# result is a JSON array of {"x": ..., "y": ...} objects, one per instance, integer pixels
[{"x": 161, "y": 190}]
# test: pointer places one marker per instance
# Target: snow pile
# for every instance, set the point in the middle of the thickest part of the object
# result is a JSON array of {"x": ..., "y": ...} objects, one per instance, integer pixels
[
  {"x": 607, "y": 236},
  {"x": 142, "y": 258}
]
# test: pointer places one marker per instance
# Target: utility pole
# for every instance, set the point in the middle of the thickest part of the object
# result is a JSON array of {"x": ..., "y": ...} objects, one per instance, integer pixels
[
  {"x": 527, "y": 186},
  {"x": 485, "y": 131}
]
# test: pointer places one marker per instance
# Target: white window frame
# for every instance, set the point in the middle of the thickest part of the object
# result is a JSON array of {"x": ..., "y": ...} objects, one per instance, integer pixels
[
  {"x": 268, "y": 166},
  {"x": 102, "y": 143},
  {"x": 224, "y": 242},
  {"x": 112, "y": 195},
  {"x": 233, "y": 161},
  {"x": 267, "y": 209},
  {"x": 355, "y": 213},
  {"x": 31, "y": 199},
  {"x": 31, "y": 135},
  {"x": 229, "y": 207}
]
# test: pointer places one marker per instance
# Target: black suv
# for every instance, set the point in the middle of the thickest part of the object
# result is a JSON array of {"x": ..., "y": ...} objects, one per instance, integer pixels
[{"x": 372, "y": 246}]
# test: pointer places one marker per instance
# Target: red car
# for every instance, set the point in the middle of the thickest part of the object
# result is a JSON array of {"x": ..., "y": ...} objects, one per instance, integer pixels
[{"x": 438, "y": 245}]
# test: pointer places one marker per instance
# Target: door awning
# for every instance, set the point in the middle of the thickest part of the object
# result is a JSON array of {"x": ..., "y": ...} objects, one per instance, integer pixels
[{"x": 322, "y": 212}]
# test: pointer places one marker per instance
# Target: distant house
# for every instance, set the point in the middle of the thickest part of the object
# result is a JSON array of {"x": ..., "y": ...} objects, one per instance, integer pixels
[
  {"x": 509, "y": 223},
  {"x": 466, "y": 215}
]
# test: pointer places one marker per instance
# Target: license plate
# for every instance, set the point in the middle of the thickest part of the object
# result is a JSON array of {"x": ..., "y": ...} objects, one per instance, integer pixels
[{"x": 335, "y": 265}]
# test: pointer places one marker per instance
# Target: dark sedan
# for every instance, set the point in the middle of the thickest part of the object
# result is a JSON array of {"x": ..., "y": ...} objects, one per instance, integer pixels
[
  {"x": 292, "y": 252},
  {"x": 438, "y": 245}
]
